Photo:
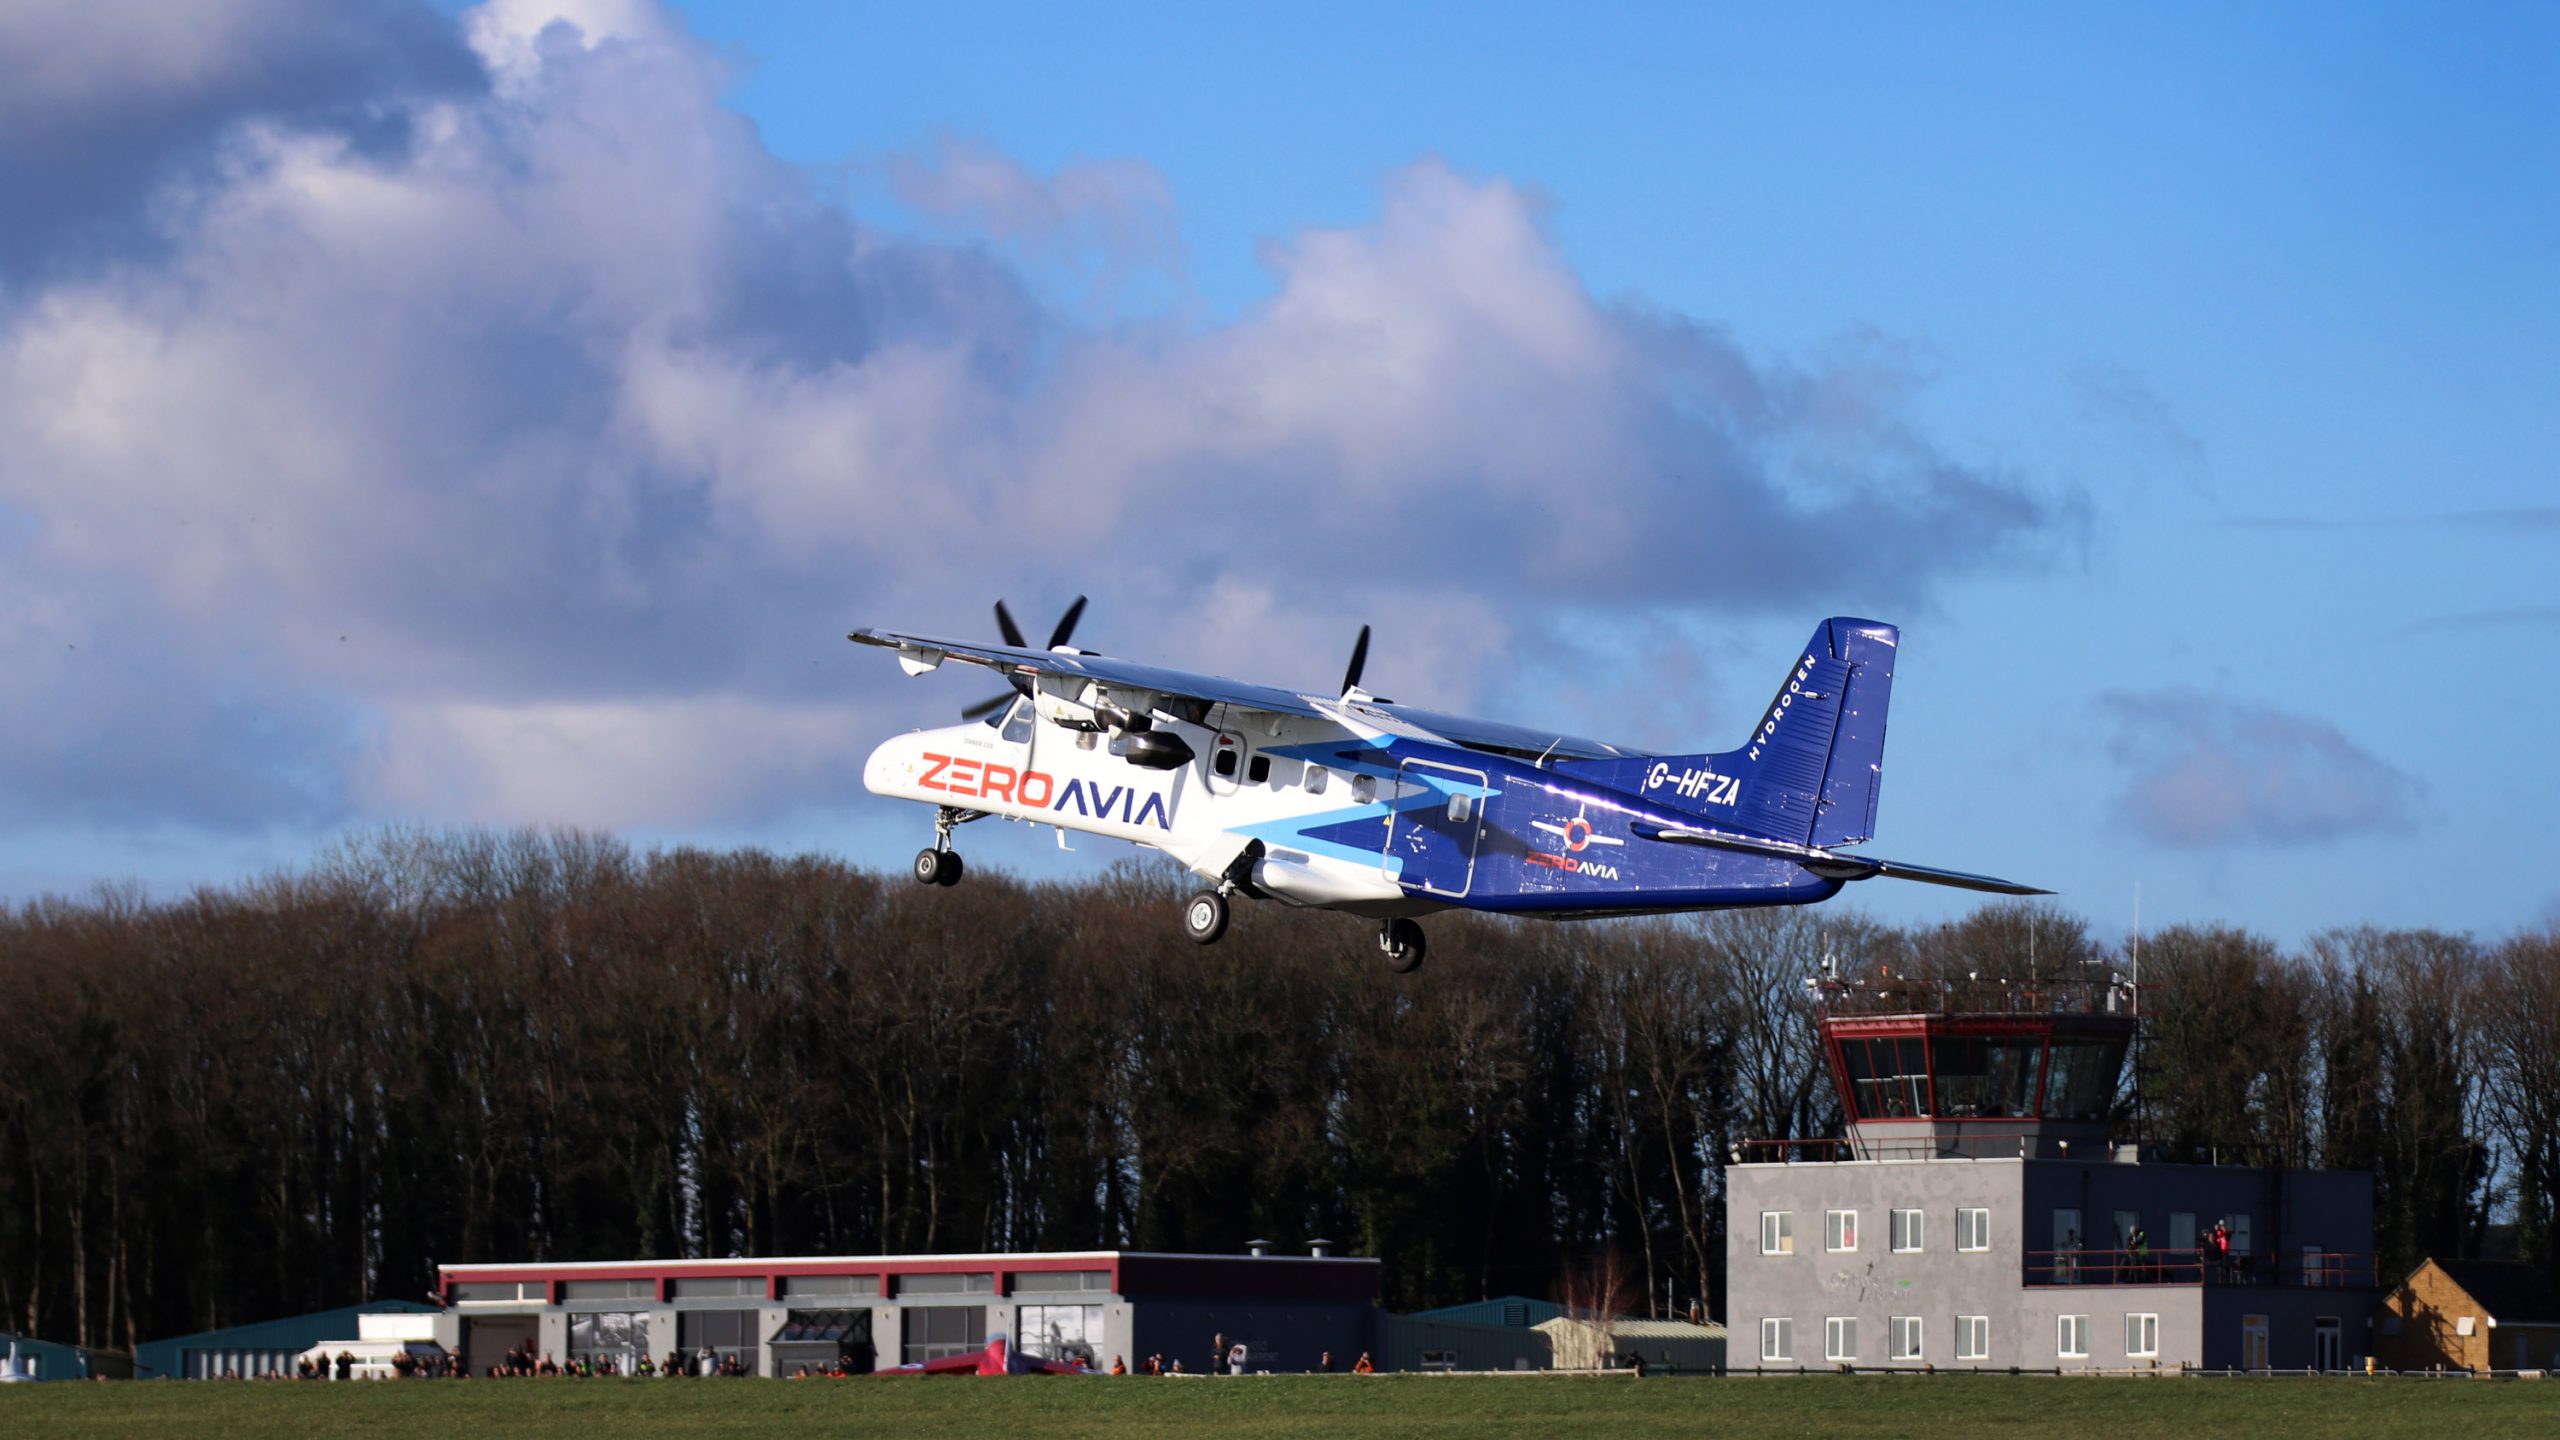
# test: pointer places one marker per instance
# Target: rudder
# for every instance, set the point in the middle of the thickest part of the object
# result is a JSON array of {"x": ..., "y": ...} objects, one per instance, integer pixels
[{"x": 1810, "y": 772}]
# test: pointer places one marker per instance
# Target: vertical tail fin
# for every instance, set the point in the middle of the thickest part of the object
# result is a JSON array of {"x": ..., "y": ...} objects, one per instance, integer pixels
[{"x": 1810, "y": 772}]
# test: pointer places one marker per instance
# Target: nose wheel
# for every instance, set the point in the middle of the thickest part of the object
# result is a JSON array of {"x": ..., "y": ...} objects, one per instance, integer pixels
[
  {"x": 1401, "y": 942},
  {"x": 938, "y": 867},
  {"x": 939, "y": 864},
  {"x": 1204, "y": 917}
]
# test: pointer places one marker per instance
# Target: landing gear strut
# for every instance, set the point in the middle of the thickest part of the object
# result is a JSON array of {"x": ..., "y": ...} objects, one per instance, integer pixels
[
  {"x": 1401, "y": 942},
  {"x": 1204, "y": 917},
  {"x": 940, "y": 864}
]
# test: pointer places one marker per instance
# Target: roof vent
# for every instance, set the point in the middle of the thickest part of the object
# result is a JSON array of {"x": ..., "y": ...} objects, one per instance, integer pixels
[
  {"x": 1320, "y": 1248},
  {"x": 1257, "y": 1248}
]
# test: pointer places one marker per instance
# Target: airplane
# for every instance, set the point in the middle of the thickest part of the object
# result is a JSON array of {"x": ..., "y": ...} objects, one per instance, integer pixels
[
  {"x": 1347, "y": 801},
  {"x": 998, "y": 1358}
]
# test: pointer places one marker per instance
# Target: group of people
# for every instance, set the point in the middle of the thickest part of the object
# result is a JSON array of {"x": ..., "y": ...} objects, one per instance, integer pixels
[{"x": 2215, "y": 1260}]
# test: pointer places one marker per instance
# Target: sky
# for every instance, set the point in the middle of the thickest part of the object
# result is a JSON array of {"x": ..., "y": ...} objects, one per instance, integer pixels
[{"x": 425, "y": 414}]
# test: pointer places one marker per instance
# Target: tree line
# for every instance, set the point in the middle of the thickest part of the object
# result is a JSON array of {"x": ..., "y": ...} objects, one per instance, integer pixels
[{"x": 430, "y": 1048}]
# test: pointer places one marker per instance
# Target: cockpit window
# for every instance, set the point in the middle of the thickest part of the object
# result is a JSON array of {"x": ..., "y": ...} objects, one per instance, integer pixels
[{"x": 1017, "y": 721}]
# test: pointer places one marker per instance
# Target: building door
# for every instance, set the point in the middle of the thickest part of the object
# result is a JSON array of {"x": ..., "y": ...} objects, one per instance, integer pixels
[
  {"x": 2328, "y": 1350},
  {"x": 2253, "y": 1342},
  {"x": 2066, "y": 1246},
  {"x": 486, "y": 1341},
  {"x": 1431, "y": 837}
]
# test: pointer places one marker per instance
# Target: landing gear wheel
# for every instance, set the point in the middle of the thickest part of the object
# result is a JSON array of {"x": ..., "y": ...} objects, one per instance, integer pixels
[
  {"x": 1204, "y": 917},
  {"x": 937, "y": 867},
  {"x": 1401, "y": 941},
  {"x": 951, "y": 869}
]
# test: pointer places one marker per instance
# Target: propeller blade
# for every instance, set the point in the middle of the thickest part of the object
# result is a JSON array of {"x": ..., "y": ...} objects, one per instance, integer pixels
[
  {"x": 1359, "y": 662},
  {"x": 1011, "y": 632},
  {"x": 988, "y": 706},
  {"x": 1067, "y": 624}
]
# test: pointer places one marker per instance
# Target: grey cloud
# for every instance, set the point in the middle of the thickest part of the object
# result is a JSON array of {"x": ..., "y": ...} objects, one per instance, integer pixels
[
  {"x": 533, "y": 468},
  {"x": 104, "y": 103},
  {"x": 2117, "y": 395},
  {"x": 2208, "y": 773}
]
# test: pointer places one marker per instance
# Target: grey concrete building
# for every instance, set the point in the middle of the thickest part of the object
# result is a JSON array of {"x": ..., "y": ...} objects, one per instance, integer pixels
[{"x": 1977, "y": 1217}]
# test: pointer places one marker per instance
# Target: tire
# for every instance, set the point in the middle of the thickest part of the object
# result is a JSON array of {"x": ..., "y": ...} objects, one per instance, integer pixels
[
  {"x": 1204, "y": 917},
  {"x": 951, "y": 869},
  {"x": 1402, "y": 941},
  {"x": 929, "y": 867}
]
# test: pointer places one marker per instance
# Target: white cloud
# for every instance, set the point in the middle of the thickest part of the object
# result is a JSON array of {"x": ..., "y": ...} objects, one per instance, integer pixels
[{"x": 531, "y": 466}]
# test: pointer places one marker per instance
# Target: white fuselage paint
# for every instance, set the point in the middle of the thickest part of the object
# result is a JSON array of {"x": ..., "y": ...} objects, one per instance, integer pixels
[{"x": 1050, "y": 774}]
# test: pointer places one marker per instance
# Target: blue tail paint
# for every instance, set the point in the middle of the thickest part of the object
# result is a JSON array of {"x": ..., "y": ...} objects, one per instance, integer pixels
[{"x": 1810, "y": 772}]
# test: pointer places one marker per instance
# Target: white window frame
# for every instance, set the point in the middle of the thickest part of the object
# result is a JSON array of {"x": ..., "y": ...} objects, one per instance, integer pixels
[
  {"x": 1905, "y": 1231},
  {"x": 1975, "y": 1220},
  {"x": 1778, "y": 1338},
  {"x": 2141, "y": 1335},
  {"x": 1898, "y": 1329},
  {"x": 1840, "y": 1231},
  {"x": 1973, "y": 1337},
  {"x": 2066, "y": 1330},
  {"x": 1777, "y": 1232},
  {"x": 1837, "y": 1329}
]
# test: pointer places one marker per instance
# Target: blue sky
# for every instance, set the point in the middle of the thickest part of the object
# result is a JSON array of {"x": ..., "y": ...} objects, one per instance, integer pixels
[{"x": 2181, "y": 380}]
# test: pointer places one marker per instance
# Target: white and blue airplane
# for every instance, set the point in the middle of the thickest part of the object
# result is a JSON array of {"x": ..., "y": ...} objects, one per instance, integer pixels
[{"x": 1349, "y": 802}]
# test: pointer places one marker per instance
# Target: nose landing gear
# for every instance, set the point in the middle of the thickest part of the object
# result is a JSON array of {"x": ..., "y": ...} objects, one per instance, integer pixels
[{"x": 939, "y": 864}]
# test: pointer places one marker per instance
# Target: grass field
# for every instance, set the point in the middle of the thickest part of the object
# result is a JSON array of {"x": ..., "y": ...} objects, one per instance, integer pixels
[{"x": 1334, "y": 1408}]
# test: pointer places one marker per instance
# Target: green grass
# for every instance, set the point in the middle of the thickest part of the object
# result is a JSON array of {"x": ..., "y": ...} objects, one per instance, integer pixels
[{"x": 1334, "y": 1408}]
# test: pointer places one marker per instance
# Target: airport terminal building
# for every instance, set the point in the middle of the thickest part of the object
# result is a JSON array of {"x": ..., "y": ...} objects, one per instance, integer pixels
[
  {"x": 876, "y": 1312},
  {"x": 1978, "y": 1215}
]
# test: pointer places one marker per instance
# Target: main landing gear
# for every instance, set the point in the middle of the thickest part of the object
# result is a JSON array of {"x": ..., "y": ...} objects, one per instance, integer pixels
[
  {"x": 1400, "y": 941},
  {"x": 940, "y": 864},
  {"x": 1204, "y": 917}
]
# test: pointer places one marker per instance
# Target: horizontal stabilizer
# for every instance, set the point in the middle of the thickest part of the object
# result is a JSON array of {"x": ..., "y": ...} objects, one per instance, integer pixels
[{"x": 1829, "y": 864}]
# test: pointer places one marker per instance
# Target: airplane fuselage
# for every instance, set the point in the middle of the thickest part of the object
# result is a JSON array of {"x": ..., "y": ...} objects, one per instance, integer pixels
[{"x": 1312, "y": 812}]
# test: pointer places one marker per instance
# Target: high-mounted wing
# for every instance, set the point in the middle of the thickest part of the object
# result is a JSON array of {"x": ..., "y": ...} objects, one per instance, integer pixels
[{"x": 919, "y": 653}]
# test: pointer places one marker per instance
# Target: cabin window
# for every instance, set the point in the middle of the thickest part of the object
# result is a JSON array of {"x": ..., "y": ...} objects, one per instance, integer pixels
[
  {"x": 1461, "y": 807},
  {"x": 1258, "y": 770},
  {"x": 1315, "y": 779},
  {"x": 1364, "y": 788},
  {"x": 1225, "y": 763}
]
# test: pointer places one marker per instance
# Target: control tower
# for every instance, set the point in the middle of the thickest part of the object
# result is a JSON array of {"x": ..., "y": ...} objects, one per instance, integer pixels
[
  {"x": 1959, "y": 1068},
  {"x": 1977, "y": 1212}
]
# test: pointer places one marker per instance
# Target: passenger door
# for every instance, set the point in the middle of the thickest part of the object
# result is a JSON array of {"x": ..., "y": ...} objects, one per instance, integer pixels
[{"x": 1431, "y": 836}]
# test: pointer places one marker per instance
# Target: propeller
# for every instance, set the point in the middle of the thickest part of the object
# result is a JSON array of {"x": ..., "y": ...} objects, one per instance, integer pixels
[
  {"x": 1359, "y": 661},
  {"x": 1012, "y": 633}
]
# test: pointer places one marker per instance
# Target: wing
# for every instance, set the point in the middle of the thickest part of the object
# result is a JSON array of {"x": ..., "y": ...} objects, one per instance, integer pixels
[
  {"x": 919, "y": 653},
  {"x": 1830, "y": 864}
]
